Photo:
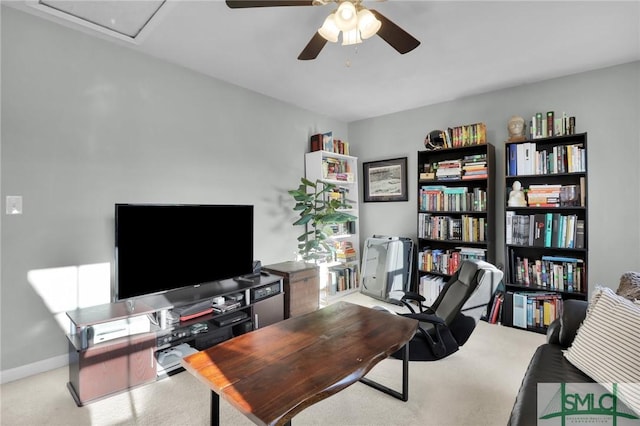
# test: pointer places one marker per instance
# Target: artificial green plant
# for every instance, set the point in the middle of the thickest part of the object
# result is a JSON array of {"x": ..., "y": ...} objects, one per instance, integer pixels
[{"x": 317, "y": 210}]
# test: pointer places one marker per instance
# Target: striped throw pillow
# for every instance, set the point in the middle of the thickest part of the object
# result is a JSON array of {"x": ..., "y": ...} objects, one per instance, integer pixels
[{"x": 607, "y": 345}]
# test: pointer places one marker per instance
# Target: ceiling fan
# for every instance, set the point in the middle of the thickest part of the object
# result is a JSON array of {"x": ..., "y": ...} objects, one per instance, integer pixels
[{"x": 351, "y": 18}]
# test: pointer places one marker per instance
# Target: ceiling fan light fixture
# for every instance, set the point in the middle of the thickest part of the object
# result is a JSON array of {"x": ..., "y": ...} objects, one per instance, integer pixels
[
  {"x": 351, "y": 37},
  {"x": 368, "y": 24},
  {"x": 329, "y": 29},
  {"x": 345, "y": 17}
]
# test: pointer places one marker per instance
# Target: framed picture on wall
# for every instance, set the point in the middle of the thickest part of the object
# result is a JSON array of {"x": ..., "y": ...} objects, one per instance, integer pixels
[{"x": 385, "y": 180}]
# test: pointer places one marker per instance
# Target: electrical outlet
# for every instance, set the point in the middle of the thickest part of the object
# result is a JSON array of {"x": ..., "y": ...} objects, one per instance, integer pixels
[{"x": 14, "y": 204}]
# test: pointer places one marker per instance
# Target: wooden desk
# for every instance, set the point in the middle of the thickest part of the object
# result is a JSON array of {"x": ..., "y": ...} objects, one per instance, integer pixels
[{"x": 273, "y": 373}]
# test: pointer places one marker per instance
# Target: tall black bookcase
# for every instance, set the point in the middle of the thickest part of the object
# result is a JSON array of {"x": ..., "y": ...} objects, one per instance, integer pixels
[
  {"x": 546, "y": 250},
  {"x": 456, "y": 218}
]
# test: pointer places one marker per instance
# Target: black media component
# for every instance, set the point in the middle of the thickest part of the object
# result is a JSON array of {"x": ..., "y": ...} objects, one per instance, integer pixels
[
  {"x": 212, "y": 338},
  {"x": 265, "y": 291},
  {"x": 242, "y": 328},
  {"x": 165, "y": 247},
  {"x": 232, "y": 318}
]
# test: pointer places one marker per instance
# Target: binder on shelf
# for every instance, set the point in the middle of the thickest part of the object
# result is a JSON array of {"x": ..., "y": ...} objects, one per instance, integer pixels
[
  {"x": 513, "y": 160},
  {"x": 520, "y": 310}
]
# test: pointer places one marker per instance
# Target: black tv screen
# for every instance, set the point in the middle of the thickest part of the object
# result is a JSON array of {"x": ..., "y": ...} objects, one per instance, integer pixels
[{"x": 166, "y": 247}]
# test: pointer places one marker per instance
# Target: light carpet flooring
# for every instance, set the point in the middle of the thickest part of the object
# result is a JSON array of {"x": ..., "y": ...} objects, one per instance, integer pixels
[{"x": 475, "y": 386}]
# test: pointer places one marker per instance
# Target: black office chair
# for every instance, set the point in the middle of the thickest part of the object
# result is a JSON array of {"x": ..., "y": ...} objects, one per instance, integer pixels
[{"x": 449, "y": 321}]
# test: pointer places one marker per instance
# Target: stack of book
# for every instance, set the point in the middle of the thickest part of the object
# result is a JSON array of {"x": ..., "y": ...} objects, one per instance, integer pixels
[
  {"x": 544, "y": 195},
  {"x": 475, "y": 166},
  {"x": 345, "y": 252},
  {"x": 449, "y": 170}
]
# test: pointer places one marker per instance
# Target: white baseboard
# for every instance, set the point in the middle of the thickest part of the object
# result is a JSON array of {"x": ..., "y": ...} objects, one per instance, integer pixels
[{"x": 23, "y": 371}]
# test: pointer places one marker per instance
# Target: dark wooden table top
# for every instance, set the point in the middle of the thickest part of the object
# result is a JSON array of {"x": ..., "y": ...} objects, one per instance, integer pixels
[{"x": 275, "y": 372}]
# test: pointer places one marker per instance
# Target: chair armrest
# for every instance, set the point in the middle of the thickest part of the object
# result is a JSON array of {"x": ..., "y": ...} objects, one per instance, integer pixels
[
  {"x": 410, "y": 295},
  {"x": 553, "y": 332},
  {"x": 433, "y": 319},
  {"x": 573, "y": 313}
]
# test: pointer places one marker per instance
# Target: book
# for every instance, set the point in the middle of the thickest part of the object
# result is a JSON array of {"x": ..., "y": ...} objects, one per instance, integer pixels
[
  {"x": 513, "y": 160},
  {"x": 579, "y": 238},
  {"x": 539, "y": 229},
  {"x": 548, "y": 229},
  {"x": 550, "y": 124},
  {"x": 555, "y": 229},
  {"x": 495, "y": 309},
  {"x": 506, "y": 316},
  {"x": 520, "y": 310},
  {"x": 538, "y": 119},
  {"x": 509, "y": 227},
  {"x": 316, "y": 142}
]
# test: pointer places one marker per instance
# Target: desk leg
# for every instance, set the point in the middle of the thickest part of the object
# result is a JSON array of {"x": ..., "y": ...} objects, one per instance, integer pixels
[
  {"x": 215, "y": 409},
  {"x": 404, "y": 396}
]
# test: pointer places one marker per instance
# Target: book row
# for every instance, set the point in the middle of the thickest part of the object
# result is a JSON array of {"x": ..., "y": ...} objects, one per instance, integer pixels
[
  {"x": 469, "y": 134},
  {"x": 337, "y": 169},
  {"x": 429, "y": 287},
  {"x": 326, "y": 142},
  {"x": 528, "y": 310},
  {"x": 525, "y": 159},
  {"x": 545, "y": 230},
  {"x": 553, "y": 272},
  {"x": 466, "y": 228},
  {"x": 340, "y": 194},
  {"x": 452, "y": 199},
  {"x": 342, "y": 278},
  {"x": 447, "y": 261},
  {"x": 548, "y": 195},
  {"x": 469, "y": 167},
  {"x": 548, "y": 125},
  {"x": 344, "y": 251},
  {"x": 340, "y": 229}
]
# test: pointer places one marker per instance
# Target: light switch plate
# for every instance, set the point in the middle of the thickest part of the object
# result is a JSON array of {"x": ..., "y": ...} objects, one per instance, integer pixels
[{"x": 14, "y": 204}]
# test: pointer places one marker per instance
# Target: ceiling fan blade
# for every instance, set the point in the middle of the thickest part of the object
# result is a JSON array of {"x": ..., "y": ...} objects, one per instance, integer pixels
[
  {"x": 241, "y": 4},
  {"x": 313, "y": 48},
  {"x": 398, "y": 38}
]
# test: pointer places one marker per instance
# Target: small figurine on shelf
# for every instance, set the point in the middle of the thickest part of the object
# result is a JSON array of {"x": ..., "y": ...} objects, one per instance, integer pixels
[
  {"x": 516, "y": 196},
  {"x": 516, "y": 127}
]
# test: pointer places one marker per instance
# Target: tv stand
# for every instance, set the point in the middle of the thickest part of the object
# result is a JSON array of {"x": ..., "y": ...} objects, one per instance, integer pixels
[{"x": 99, "y": 369}]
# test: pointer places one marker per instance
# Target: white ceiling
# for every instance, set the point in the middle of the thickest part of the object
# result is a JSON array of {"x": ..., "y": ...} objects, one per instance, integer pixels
[{"x": 467, "y": 48}]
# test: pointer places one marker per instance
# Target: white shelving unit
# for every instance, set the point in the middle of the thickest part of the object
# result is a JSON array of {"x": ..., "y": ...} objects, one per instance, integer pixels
[{"x": 340, "y": 277}]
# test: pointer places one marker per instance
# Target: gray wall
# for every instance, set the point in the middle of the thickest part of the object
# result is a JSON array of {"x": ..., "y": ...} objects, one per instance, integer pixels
[
  {"x": 86, "y": 124},
  {"x": 607, "y": 105}
]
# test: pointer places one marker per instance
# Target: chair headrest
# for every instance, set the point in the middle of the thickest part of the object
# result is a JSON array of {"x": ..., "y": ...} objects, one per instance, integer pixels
[{"x": 468, "y": 269}]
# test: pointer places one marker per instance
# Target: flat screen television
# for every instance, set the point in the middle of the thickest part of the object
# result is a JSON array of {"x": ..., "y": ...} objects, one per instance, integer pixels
[{"x": 165, "y": 247}]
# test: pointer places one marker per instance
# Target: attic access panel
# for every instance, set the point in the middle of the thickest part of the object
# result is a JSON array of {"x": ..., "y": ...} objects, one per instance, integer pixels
[{"x": 127, "y": 18}]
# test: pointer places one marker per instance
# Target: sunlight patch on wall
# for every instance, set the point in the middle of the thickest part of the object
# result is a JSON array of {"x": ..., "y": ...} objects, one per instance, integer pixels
[{"x": 67, "y": 288}]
